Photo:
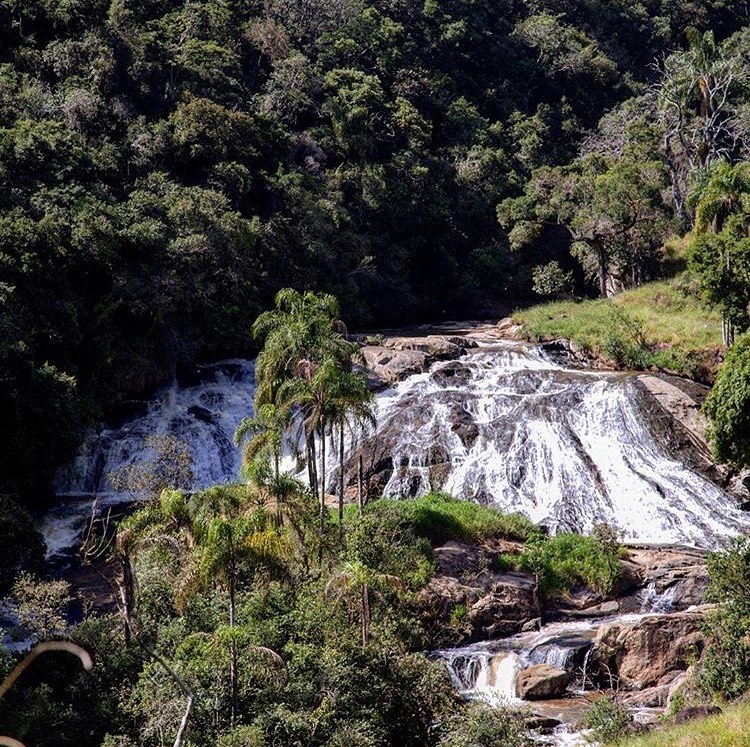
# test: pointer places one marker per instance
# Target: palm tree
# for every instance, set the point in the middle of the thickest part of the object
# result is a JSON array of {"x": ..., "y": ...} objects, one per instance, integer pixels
[
  {"x": 350, "y": 406},
  {"x": 357, "y": 580},
  {"x": 230, "y": 539},
  {"x": 304, "y": 327},
  {"x": 262, "y": 433}
]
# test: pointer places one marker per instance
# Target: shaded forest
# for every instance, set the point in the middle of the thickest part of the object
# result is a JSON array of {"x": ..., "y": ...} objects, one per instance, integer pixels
[{"x": 167, "y": 165}]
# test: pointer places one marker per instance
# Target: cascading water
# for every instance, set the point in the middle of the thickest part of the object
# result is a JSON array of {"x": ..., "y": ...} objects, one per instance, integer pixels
[
  {"x": 203, "y": 415},
  {"x": 506, "y": 425},
  {"x": 510, "y": 427},
  {"x": 487, "y": 671}
]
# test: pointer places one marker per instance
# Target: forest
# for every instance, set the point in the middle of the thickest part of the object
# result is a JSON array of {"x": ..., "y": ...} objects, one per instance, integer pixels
[
  {"x": 183, "y": 181},
  {"x": 167, "y": 166}
]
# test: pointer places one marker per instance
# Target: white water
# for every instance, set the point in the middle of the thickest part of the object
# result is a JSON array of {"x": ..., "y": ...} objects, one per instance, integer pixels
[
  {"x": 569, "y": 449},
  {"x": 203, "y": 415},
  {"x": 506, "y": 425},
  {"x": 487, "y": 670}
]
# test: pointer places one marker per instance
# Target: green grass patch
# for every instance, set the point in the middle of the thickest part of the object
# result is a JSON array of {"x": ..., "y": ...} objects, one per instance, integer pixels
[
  {"x": 660, "y": 325},
  {"x": 728, "y": 729},
  {"x": 440, "y": 518},
  {"x": 566, "y": 560}
]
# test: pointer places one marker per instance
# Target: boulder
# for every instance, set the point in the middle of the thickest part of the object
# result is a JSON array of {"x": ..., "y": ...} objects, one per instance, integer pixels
[
  {"x": 702, "y": 711},
  {"x": 509, "y": 602},
  {"x": 386, "y": 366},
  {"x": 541, "y": 682},
  {"x": 642, "y": 652}
]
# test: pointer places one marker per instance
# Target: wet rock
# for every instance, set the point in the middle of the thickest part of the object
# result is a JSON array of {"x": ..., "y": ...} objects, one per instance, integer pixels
[
  {"x": 496, "y": 604},
  {"x": 541, "y": 723},
  {"x": 598, "y": 610},
  {"x": 388, "y": 366},
  {"x": 640, "y": 653},
  {"x": 508, "y": 604},
  {"x": 435, "y": 346},
  {"x": 673, "y": 579},
  {"x": 541, "y": 682},
  {"x": 693, "y": 712}
]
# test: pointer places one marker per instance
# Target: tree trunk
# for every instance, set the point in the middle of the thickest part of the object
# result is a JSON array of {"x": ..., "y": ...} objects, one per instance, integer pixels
[
  {"x": 602, "y": 256},
  {"x": 365, "y": 613},
  {"x": 341, "y": 473},
  {"x": 232, "y": 654},
  {"x": 360, "y": 493}
]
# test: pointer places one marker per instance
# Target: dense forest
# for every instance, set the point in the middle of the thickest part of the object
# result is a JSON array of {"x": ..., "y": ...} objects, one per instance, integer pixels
[
  {"x": 166, "y": 166},
  {"x": 188, "y": 180}
]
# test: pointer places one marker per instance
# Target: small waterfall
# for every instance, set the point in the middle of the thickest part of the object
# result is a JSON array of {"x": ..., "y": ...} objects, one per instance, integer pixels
[
  {"x": 488, "y": 670},
  {"x": 653, "y": 602},
  {"x": 203, "y": 415},
  {"x": 484, "y": 675}
]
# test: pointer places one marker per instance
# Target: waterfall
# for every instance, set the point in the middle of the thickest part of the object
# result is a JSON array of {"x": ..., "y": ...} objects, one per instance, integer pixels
[
  {"x": 510, "y": 427},
  {"x": 487, "y": 671},
  {"x": 505, "y": 425}
]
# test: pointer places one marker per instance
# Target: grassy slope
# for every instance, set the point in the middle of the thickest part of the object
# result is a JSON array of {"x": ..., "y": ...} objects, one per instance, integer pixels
[
  {"x": 729, "y": 729},
  {"x": 681, "y": 334}
]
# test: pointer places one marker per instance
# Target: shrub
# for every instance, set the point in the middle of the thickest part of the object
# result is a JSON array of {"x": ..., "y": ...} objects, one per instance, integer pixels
[
  {"x": 608, "y": 720},
  {"x": 563, "y": 561},
  {"x": 725, "y": 666},
  {"x": 478, "y": 725},
  {"x": 440, "y": 518}
]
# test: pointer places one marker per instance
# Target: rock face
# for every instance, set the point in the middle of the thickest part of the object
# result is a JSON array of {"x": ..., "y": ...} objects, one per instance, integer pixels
[
  {"x": 397, "y": 357},
  {"x": 641, "y": 654},
  {"x": 541, "y": 682},
  {"x": 495, "y": 603}
]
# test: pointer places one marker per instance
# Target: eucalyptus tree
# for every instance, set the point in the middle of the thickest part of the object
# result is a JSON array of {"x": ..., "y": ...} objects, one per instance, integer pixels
[{"x": 698, "y": 99}]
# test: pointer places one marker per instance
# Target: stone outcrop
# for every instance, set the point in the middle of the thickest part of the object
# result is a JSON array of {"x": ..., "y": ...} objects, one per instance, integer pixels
[
  {"x": 639, "y": 654},
  {"x": 541, "y": 682},
  {"x": 394, "y": 358},
  {"x": 495, "y": 603}
]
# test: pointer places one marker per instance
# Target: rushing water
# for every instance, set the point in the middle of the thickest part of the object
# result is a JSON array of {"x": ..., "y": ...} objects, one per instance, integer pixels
[
  {"x": 506, "y": 425},
  {"x": 570, "y": 449}
]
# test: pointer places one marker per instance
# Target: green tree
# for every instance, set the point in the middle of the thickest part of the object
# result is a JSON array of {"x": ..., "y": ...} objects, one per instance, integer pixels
[{"x": 728, "y": 406}]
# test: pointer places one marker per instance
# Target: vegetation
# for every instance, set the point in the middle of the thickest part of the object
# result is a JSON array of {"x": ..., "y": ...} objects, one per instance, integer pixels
[
  {"x": 608, "y": 720},
  {"x": 728, "y": 406},
  {"x": 438, "y": 518},
  {"x": 728, "y": 729},
  {"x": 167, "y": 166},
  {"x": 567, "y": 560},
  {"x": 658, "y": 325}
]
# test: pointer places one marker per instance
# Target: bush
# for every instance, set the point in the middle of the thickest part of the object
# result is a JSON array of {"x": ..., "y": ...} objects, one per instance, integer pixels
[
  {"x": 608, "y": 720},
  {"x": 22, "y": 546},
  {"x": 728, "y": 405},
  {"x": 725, "y": 666},
  {"x": 440, "y": 518},
  {"x": 563, "y": 561},
  {"x": 478, "y": 725}
]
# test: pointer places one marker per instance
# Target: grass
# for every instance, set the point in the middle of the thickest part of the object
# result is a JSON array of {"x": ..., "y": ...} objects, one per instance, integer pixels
[
  {"x": 659, "y": 325},
  {"x": 439, "y": 518},
  {"x": 563, "y": 561},
  {"x": 728, "y": 729}
]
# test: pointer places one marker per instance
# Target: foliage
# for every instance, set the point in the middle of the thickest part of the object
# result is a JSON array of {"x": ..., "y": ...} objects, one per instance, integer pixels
[
  {"x": 563, "y": 561},
  {"x": 439, "y": 518},
  {"x": 42, "y": 606},
  {"x": 658, "y": 325},
  {"x": 727, "y": 728},
  {"x": 551, "y": 281},
  {"x": 482, "y": 726},
  {"x": 728, "y": 406},
  {"x": 724, "y": 668},
  {"x": 167, "y": 166},
  {"x": 23, "y": 546},
  {"x": 608, "y": 720}
]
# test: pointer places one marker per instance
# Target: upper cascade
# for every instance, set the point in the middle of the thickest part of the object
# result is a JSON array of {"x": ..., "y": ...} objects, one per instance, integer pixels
[{"x": 506, "y": 425}]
